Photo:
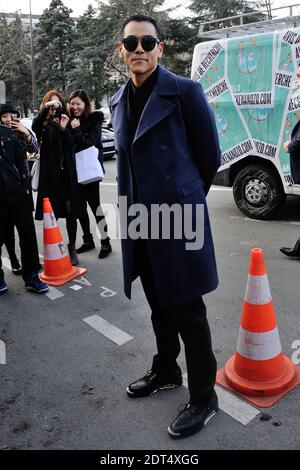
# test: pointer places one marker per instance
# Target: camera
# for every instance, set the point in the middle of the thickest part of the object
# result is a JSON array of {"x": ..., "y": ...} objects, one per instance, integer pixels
[{"x": 57, "y": 112}]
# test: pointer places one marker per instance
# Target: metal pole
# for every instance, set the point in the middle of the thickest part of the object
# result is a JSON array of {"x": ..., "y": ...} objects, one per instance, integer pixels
[{"x": 32, "y": 61}]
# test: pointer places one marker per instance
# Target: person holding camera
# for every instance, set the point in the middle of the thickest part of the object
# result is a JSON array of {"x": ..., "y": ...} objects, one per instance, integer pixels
[
  {"x": 57, "y": 179},
  {"x": 16, "y": 209},
  {"x": 81, "y": 132},
  {"x": 10, "y": 117}
]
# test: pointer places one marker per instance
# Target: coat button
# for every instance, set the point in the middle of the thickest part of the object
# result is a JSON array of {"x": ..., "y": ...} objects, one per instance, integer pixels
[
  {"x": 163, "y": 148},
  {"x": 168, "y": 178}
]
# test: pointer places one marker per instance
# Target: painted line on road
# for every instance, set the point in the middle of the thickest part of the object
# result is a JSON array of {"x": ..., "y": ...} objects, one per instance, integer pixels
[
  {"x": 235, "y": 407},
  {"x": 2, "y": 352},
  {"x": 54, "y": 294},
  {"x": 75, "y": 287},
  {"x": 108, "y": 330},
  {"x": 232, "y": 405}
]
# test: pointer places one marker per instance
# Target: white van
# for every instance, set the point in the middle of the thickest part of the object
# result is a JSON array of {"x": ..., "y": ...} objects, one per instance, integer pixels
[{"x": 248, "y": 73}]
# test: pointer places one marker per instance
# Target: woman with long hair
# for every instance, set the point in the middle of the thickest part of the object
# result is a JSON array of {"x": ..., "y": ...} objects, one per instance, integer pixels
[
  {"x": 58, "y": 179},
  {"x": 84, "y": 131}
]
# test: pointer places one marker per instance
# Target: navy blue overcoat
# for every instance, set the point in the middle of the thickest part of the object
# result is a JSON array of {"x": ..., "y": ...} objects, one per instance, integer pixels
[{"x": 175, "y": 155}]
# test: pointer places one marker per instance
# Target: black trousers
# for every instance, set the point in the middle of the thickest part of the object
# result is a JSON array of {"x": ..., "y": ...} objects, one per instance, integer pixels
[
  {"x": 10, "y": 240},
  {"x": 187, "y": 320},
  {"x": 20, "y": 215},
  {"x": 91, "y": 195}
]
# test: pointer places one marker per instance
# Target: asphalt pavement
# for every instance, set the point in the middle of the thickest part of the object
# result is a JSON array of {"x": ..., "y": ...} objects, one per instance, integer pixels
[{"x": 67, "y": 357}]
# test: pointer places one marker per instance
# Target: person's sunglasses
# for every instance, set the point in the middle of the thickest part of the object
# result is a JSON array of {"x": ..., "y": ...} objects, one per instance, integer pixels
[{"x": 148, "y": 43}]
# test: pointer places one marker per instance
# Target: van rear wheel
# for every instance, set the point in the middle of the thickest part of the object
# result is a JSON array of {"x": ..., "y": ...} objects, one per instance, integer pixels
[{"x": 258, "y": 192}]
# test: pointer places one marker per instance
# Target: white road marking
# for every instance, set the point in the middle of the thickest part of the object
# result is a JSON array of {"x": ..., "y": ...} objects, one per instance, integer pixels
[
  {"x": 107, "y": 292},
  {"x": 75, "y": 287},
  {"x": 82, "y": 280},
  {"x": 232, "y": 405},
  {"x": 54, "y": 293},
  {"x": 2, "y": 352},
  {"x": 235, "y": 407},
  {"x": 108, "y": 330}
]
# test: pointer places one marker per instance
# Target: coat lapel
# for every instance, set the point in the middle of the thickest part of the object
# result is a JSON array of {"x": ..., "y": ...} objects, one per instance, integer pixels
[
  {"x": 158, "y": 107},
  {"x": 155, "y": 110}
]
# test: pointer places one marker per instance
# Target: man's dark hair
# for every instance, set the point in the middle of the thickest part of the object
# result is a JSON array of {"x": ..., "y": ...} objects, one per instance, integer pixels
[{"x": 139, "y": 19}]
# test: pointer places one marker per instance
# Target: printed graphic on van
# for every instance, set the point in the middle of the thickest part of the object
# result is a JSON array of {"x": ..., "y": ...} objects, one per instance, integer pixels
[
  {"x": 250, "y": 60},
  {"x": 251, "y": 84},
  {"x": 233, "y": 134}
]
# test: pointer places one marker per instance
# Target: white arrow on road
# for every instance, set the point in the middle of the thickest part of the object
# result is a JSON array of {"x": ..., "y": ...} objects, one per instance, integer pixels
[{"x": 2, "y": 352}]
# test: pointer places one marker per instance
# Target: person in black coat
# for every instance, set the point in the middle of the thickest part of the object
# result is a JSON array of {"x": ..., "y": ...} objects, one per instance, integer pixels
[
  {"x": 168, "y": 153},
  {"x": 84, "y": 131},
  {"x": 16, "y": 209},
  {"x": 57, "y": 179},
  {"x": 9, "y": 117}
]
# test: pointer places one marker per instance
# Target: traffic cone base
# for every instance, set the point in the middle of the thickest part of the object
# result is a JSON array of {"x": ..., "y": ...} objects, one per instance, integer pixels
[
  {"x": 260, "y": 401},
  {"x": 259, "y": 371},
  {"x": 57, "y": 265},
  {"x": 63, "y": 278}
]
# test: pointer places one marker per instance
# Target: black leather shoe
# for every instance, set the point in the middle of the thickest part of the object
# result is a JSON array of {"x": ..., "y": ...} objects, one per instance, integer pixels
[
  {"x": 105, "y": 250},
  {"x": 152, "y": 383},
  {"x": 85, "y": 247},
  {"x": 193, "y": 418},
  {"x": 291, "y": 252}
]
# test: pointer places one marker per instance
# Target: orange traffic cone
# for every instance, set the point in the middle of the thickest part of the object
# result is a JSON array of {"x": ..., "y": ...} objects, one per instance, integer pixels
[
  {"x": 57, "y": 265},
  {"x": 259, "y": 371}
]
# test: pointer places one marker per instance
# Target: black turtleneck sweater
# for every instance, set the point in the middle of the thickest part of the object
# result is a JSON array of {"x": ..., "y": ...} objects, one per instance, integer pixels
[{"x": 136, "y": 100}]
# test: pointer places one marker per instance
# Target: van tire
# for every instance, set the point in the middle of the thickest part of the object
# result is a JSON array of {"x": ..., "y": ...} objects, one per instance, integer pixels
[{"x": 258, "y": 192}]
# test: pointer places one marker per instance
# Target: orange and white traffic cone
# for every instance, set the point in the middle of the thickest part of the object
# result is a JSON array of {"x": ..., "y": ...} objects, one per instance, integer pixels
[
  {"x": 259, "y": 371},
  {"x": 57, "y": 265}
]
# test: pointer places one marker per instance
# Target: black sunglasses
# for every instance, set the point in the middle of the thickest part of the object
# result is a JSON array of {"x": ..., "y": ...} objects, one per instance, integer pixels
[{"x": 148, "y": 43}]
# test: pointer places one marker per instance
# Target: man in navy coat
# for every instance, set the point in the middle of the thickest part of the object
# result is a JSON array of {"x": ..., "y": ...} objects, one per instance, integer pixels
[{"x": 168, "y": 153}]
